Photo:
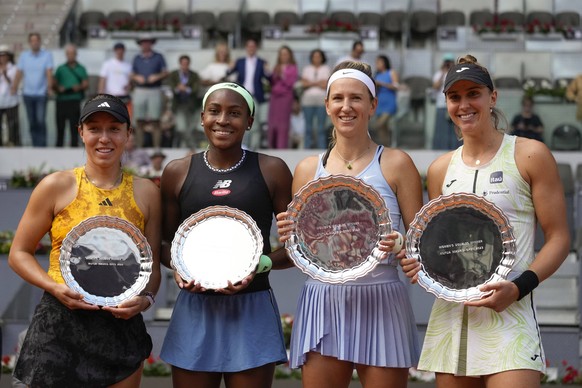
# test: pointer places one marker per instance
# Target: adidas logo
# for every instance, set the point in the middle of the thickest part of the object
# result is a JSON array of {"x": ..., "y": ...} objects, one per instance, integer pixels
[
  {"x": 105, "y": 202},
  {"x": 104, "y": 105}
]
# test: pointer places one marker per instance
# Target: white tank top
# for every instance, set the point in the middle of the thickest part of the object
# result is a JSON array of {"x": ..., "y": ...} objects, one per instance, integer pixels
[{"x": 500, "y": 182}]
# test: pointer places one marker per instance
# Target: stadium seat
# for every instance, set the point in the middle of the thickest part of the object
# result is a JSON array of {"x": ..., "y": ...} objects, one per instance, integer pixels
[
  {"x": 368, "y": 18},
  {"x": 567, "y": 18},
  {"x": 566, "y": 137},
  {"x": 481, "y": 18},
  {"x": 542, "y": 17},
  {"x": 286, "y": 18},
  {"x": 451, "y": 18},
  {"x": 312, "y": 17},
  {"x": 515, "y": 17},
  {"x": 393, "y": 23},
  {"x": 254, "y": 21}
]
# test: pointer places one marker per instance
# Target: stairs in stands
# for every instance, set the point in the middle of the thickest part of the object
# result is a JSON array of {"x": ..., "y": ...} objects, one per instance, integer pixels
[{"x": 18, "y": 18}]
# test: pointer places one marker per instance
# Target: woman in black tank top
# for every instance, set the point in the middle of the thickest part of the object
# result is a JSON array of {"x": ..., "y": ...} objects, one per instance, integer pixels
[{"x": 260, "y": 185}]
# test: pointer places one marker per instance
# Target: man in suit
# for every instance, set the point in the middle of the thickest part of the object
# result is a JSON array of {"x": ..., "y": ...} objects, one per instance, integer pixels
[
  {"x": 251, "y": 70},
  {"x": 185, "y": 103}
]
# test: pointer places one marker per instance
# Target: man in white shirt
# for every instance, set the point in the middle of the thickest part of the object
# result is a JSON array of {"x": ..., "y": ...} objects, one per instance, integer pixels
[{"x": 114, "y": 77}]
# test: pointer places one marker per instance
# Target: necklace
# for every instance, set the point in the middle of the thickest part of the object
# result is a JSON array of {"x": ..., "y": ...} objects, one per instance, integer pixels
[
  {"x": 115, "y": 184},
  {"x": 349, "y": 162},
  {"x": 224, "y": 170}
]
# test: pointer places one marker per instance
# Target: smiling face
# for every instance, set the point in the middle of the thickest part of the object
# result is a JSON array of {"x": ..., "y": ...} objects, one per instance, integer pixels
[
  {"x": 350, "y": 106},
  {"x": 104, "y": 138},
  {"x": 469, "y": 105},
  {"x": 226, "y": 118}
]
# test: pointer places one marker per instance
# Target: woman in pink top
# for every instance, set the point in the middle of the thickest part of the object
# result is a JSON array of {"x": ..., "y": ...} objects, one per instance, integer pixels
[{"x": 282, "y": 81}]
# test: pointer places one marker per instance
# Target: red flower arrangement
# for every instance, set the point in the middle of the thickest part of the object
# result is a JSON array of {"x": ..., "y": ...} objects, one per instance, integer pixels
[
  {"x": 327, "y": 25},
  {"x": 501, "y": 26}
]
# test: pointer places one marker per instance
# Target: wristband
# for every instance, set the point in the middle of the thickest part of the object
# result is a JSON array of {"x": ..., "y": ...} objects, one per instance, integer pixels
[
  {"x": 265, "y": 264},
  {"x": 150, "y": 297},
  {"x": 526, "y": 283}
]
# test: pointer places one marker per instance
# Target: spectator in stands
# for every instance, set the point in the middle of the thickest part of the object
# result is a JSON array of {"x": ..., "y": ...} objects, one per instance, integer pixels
[
  {"x": 215, "y": 71},
  {"x": 134, "y": 158},
  {"x": 70, "y": 82},
  {"x": 115, "y": 75},
  {"x": 367, "y": 323},
  {"x": 156, "y": 167},
  {"x": 148, "y": 71},
  {"x": 574, "y": 93},
  {"x": 8, "y": 100},
  {"x": 387, "y": 82},
  {"x": 297, "y": 125},
  {"x": 282, "y": 85},
  {"x": 494, "y": 341},
  {"x": 444, "y": 136},
  {"x": 313, "y": 81},
  {"x": 251, "y": 71},
  {"x": 527, "y": 123},
  {"x": 185, "y": 84},
  {"x": 35, "y": 70},
  {"x": 355, "y": 55}
]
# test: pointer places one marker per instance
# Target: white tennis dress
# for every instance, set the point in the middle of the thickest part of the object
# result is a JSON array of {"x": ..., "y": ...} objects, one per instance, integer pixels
[{"x": 475, "y": 341}]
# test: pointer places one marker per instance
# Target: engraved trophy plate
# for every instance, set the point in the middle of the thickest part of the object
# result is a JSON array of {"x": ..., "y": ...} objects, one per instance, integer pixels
[
  {"x": 338, "y": 223},
  {"x": 462, "y": 241},
  {"x": 216, "y": 245},
  {"x": 106, "y": 259}
]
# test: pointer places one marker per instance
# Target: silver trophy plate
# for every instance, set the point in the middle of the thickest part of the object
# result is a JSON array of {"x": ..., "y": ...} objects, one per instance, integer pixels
[
  {"x": 338, "y": 223},
  {"x": 216, "y": 245},
  {"x": 106, "y": 259},
  {"x": 462, "y": 241}
]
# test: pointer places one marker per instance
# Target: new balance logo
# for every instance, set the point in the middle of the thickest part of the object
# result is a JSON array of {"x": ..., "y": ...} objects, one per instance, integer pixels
[
  {"x": 462, "y": 69},
  {"x": 103, "y": 105},
  {"x": 105, "y": 202},
  {"x": 222, "y": 184}
]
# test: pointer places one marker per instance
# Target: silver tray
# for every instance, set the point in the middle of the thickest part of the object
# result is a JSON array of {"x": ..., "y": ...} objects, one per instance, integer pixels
[
  {"x": 462, "y": 241},
  {"x": 216, "y": 245},
  {"x": 338, "y": 223},
  {"x": 106, "y": 259}
]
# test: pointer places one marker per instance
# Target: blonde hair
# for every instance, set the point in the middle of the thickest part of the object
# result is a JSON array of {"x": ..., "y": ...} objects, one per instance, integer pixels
[
  {"x": 217, "y": 48},
  {"x": 360, "y": 66}
]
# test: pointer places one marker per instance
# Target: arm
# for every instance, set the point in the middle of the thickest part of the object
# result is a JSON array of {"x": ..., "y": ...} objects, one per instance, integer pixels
[
  {"x": 16, "y": 83},
  {"x": 572, "y": 89},
  {"x": 279, "y": 180},
  {"x": 304, "y": 172},
  {"x": 101, "y": 86},
  {"x": 50, "y": 81},
  {"x": 435, "y": 177},
  {"x": 538, "y": 167},
  {"x": 403, "y": 177},
  {"x": 51, "y": 195}
]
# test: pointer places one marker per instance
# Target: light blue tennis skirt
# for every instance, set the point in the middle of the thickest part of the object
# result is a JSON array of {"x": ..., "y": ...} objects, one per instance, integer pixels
[
  {"x": 224, "y": 333},
  {"x": 368, "y": 321}
]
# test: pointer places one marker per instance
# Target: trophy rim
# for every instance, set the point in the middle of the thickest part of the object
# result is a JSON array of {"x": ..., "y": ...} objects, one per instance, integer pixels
[
  {"x": 452, "y": 201},
  {"x": 113, "y": 223},
  {"x": 247, "y": 261},
  {"x": 297, "y": 249}
]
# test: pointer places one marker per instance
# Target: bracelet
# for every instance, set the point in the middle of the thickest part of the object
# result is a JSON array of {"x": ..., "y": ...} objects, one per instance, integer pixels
[
  {"x": 526, "y": 283},
  {"x": 150, "y": 297},
  {"x": 265, "y": 264}
]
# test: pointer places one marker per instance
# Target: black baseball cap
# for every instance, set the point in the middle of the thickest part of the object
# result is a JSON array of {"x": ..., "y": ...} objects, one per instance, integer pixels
[
  {"x": 118, "y": 45},
  {"x": 108, "y": 104},
  {"x": 469, "y": 72}
]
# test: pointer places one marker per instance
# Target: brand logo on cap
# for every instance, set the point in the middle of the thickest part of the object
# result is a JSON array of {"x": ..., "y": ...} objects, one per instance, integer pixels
[
  {"x": 462, "y": 69},
  {"x": 103, "y": 105}
]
